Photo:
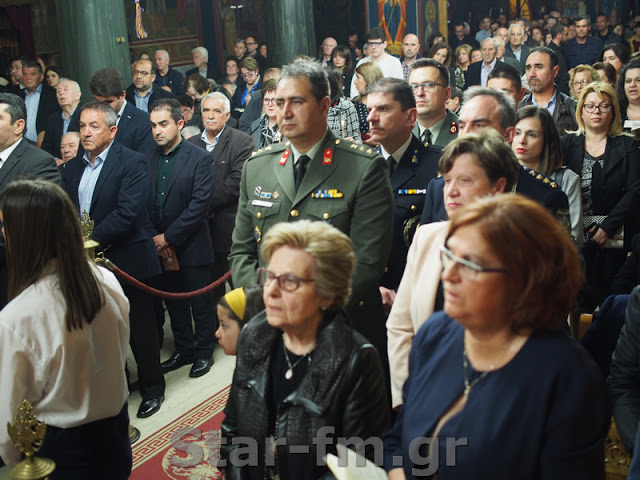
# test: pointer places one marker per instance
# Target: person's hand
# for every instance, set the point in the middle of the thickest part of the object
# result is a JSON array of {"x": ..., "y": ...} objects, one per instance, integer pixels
[
  {"x": 162, "y": 245},
  {"x": 388, "y": 297},
  {"x": 370, "y": 142},
  {"x": 600, "y": 236}
]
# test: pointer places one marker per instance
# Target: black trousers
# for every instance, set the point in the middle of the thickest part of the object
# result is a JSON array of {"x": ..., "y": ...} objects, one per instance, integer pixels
[
  {"x": 144, "y": 342},
  {"x": 219, "y": 267},
  {"x": 99, "y": 450},
  {"x": 188, "y": 279}
]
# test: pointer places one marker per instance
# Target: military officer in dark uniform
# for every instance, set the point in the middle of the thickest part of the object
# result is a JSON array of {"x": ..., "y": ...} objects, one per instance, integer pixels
[
  {"x": 316, "y": 176},
  {"x": 412, "y": 165}
]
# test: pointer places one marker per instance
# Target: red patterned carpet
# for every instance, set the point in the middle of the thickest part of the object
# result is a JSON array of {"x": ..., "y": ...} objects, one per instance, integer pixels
[{"x": 187, "y": 449}]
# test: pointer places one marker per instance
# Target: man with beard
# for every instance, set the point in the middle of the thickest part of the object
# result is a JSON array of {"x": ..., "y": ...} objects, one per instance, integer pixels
[{"x": 542, "y": 69}]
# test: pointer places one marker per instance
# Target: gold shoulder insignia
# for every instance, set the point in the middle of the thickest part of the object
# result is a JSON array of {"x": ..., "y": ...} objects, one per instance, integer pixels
[
  {"x": 553, "y": 185},
  {"x": 337, "y": 141},
  {"x": 532, "y": 173},
  {"x": 353, "y": 145},
  {"x": 370, "y": 151}
]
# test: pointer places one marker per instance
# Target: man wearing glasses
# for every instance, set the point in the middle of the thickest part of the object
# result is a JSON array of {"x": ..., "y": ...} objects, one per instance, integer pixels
[
  {"x": 390, "y": 65},
  {"x": 141, "y": 92},
  {"x": 429, "y": 80},
  {"x": 542, "y": 69}
]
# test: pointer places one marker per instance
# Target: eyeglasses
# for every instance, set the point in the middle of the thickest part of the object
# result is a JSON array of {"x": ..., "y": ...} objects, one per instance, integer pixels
[
  {"x": 269, "y": 101},
  {"x": 248, "y": 75},
  {"x": 141, "y": 72},
  {"x": 426, "y": 86},
  {"x": 289, "y": 282},
  {"x": 584, "y": 82},
  {"x": 466, "y": 268},
  {"x": 375, "y": 44},
  {"x": 603, "y": 107}
]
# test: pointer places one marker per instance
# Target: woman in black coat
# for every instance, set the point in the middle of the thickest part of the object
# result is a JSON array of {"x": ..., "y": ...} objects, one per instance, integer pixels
[
  {"x": 303, "y": 376},
  {"x": 607, "y": 161}
]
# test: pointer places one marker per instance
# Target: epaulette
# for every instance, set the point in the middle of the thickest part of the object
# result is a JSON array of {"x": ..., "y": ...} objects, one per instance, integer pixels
[
  {"x": 273, "y": 148},
  {"x": 540, "y": 177},
  {"x": 364, "y": 150}
]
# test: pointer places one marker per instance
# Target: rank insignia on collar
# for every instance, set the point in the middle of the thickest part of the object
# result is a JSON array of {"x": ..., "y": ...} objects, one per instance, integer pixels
[
  {"x": 328, "y": 157},
  {"x": 284, "y": 157},
  {"x": 453, "y": 128},
  {"x": 256, "y": 234},
  {"x": 415, "y": 156}
]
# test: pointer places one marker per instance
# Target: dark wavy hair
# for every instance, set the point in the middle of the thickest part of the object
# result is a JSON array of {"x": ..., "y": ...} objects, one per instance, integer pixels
[{"x": 552, "y": 153}]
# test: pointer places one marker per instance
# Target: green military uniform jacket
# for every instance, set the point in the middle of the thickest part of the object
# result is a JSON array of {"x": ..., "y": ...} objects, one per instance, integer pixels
[
  {"x": 448, "y": 132},
  {"x": 345, "y": 184}
]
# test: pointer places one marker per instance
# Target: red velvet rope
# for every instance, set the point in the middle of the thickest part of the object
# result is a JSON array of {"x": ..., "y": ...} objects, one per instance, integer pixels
[{"x": 159, "y": 293}]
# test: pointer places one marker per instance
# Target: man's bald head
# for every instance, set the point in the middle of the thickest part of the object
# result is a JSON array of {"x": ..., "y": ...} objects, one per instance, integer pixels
[{"x": 410, "y": 46}]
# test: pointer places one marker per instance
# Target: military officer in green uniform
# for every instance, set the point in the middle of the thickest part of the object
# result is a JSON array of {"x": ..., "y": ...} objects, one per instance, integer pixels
[
  {"x": 314, "y": 175},
  {"x": 430, "y": 82}
]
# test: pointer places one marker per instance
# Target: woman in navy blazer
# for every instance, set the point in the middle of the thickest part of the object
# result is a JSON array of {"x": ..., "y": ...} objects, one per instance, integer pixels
[
  {"x": 495, "y": 389},
  {"x": 607, "y": 161}
]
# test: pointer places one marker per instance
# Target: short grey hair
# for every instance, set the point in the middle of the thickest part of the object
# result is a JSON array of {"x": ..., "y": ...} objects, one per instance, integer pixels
[
  {"x": 312, "y": 71},
  {"x": 164, "y": 53},
  {"x": 217, "y": 95},
  {"x": 191, "y": 131},
  {"x": 499, "y": 42},
  {"x": 490, "y": 39},
  {"x": 515, "y": 25},
  {"x": 202, "y": 51},
  {"x": 110, "y": 115},
  {"x": 331, "y": 250},
  {"x": 506, "y": 104},
  {"x": 76, "y": 87}
]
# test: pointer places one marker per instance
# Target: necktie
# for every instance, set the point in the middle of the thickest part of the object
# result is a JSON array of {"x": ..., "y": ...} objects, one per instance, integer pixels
[
  {"x": 392, "y": 165},
  {"x": 301, "y": 169},
  {"x": 426, "y": 136}
]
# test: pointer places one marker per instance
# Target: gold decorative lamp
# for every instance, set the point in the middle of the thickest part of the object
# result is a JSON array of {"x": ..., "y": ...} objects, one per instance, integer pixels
[{"x": 27, "y": 434}]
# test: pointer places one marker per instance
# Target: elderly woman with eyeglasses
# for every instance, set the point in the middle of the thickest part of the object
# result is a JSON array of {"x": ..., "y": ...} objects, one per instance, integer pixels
[
  {"x": 607, "y": 161},
  {"x": 302, "y": 374},
  {"x": 495, "y": 389}
]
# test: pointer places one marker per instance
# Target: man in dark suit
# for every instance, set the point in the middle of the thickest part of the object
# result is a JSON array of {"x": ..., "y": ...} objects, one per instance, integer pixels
[
  {"x": 142, "y": 92},
  {"x": 392, "y": 113},
  {"x": 557, "y": 40},
  {"x": 229, "y": 149},
  {"x": 134, "y": 130},
  {"x": 200, "y": 60},
  {"x": 478, "y": 72},
  {"x": 18, "y": 158},
  {"x": 111, "y": 183},
  {"x": 40, "y": 100},
  {"x": 67, "y": 120},
  {"x": 516, "y": 48},
  {"x": 167, "y": 76},
  {"x": 489, "y": 108},
  {"x": 182, "y": 180}
]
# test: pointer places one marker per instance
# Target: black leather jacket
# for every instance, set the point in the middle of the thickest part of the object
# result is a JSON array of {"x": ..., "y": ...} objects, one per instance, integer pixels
[{"x": 344, "y": 388}]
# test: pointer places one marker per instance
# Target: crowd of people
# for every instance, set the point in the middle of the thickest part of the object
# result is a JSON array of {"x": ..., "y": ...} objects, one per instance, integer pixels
[{"x": 406, "y": 239}]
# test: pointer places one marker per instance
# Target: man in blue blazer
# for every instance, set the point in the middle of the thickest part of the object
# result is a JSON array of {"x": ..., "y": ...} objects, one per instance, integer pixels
[
  {"x": 182, "y": 179},
  {"x": 111, "y": 183},
  {"x": 134, "y": 130}
]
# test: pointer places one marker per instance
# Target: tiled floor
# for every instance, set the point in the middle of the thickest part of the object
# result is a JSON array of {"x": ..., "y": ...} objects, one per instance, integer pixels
[{"x": 181, "y": 395}]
